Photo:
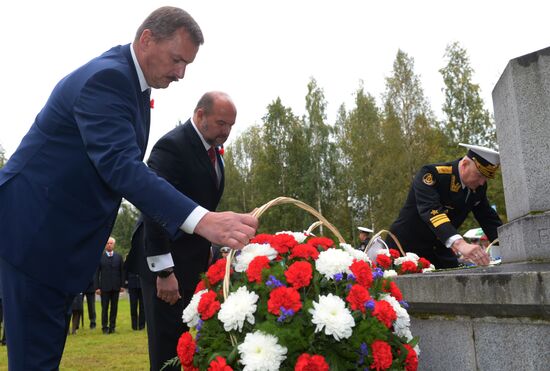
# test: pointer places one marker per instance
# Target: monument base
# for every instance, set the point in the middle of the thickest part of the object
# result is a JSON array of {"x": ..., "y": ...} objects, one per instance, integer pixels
[
  {"x": 526, "y": 238},
  {"x": 484, "y": 318}
]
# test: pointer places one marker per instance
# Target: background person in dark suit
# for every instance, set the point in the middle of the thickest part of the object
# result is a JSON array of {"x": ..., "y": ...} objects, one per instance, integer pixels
[
  {"x": 61, "y": 190},
  {"x": 137, "y": 311},
  {"x": 187, "y": 158},
  {"x": 89, "y": 295},
  {"x": 110, "y": 279},
  {"x": 441, "y": 197}
]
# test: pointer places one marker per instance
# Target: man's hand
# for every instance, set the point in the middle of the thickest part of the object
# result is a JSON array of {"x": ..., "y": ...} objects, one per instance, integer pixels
[
  {"x": 475, "y": 253},
  {"x": 227, "y": 228},
  {"x": 98, "y": 292},
  {"x": 168, "y": 289}
]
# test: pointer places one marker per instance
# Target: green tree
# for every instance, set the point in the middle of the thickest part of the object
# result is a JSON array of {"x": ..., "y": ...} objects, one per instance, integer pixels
[
  {"x": 467, "y": 120},
  {"x": 357, "y": 139},
  {"x": 124, "y": 226},
  {"x": 405, "y": 98},
  {"x": 2, "y": 156}
]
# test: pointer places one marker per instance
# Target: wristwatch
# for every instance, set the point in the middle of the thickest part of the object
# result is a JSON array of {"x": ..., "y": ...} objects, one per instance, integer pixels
[{"x": 165, "y": 272}]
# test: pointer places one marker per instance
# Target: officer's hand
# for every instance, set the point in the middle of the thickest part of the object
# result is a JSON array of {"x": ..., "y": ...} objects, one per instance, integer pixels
[
  {"x": 168, "y": 289},
  {"x": 475, "y": 253},
  {"x": 227, "y": 228}
]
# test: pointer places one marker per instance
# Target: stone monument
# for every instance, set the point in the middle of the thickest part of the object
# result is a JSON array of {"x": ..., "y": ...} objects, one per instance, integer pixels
[{"x": 498, "y": 317}]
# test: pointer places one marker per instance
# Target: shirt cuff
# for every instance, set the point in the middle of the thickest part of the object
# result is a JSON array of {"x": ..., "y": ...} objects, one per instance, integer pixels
[
  {"x": 193, "y": 219},
  {"x": 160, "y": 262},
  {"x": 452, "y": 240}
]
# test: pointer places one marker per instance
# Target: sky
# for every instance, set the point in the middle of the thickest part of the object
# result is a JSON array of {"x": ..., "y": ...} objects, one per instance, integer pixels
[{"x": 258, "y": 50}]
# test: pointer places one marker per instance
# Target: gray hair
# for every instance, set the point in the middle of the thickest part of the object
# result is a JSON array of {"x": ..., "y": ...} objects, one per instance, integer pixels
[{"x": 165, "y": 21}]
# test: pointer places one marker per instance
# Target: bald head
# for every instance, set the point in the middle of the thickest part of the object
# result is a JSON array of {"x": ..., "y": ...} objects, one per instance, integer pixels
[{"x": 214, "y": 116}]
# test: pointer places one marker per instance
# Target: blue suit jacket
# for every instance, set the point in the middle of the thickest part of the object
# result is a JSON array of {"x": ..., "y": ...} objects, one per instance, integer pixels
[{"x": 61, "y": 189}]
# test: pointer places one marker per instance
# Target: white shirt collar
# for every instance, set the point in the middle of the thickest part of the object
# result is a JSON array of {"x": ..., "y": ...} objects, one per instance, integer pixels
[
  {"x": 204, "y": 143},
  {"x": 142, "y": 82}
]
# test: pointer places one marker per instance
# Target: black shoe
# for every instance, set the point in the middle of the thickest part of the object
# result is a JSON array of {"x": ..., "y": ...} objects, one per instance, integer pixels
[
  {"x": 105, "y": 331},
  {"x": 111, "y": 331},
  {"x": 92, "y": 326}
]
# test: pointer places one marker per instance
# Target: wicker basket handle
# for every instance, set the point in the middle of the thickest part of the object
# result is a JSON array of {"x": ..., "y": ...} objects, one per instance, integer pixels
[
  {"x": 379, "y": 234},
  {"x": 259, "y": 211},
  {"x": 488, "y": 248}
]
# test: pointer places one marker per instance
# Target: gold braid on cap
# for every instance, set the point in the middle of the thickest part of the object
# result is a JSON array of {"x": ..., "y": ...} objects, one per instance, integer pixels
[{"x": 488, "y": 170}]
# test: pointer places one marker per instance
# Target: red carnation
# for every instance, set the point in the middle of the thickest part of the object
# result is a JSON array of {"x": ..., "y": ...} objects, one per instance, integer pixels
[
  {"x": 286, "y": 297},
  {"x": 322, "y": 242},
  {"x": 283, "y": 242},
  {"x": 299, "y": 274},
  {"x": 219, "y": 364},
  {"x": 304, "y": 251},
  {"x": 408, "y": 266},
  {"x": 357, "y": 297},
  {"x": 411, "y": 362},
  {"x": 254, "y": 271},
  {"x": 383, "y": 261},
  {"x": 221, "y": 150},
  {"x": 216, "y": 272},
  {"x": 381, "y": 354},
  {"x": 152, "y": 103},
  {"x": 362, "y": 272},
  {"x": 186, "y": 349},
  {"x": 262, "y": 238},
  {"x": 384, "y": 312},
  {"x": 391, "y": 287},
  {"x": 424, "y": 263},
  {"x": 200, "y": 286},
  {"x": 308, "y": 362},
  {"x": 208, "y": 305},
  {"x": 394, "y": 253}
]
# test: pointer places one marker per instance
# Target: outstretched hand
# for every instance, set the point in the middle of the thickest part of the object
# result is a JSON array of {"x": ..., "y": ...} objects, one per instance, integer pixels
[
  {"x": 474, "y": 253},
  {"x": 227, "y": 228}
]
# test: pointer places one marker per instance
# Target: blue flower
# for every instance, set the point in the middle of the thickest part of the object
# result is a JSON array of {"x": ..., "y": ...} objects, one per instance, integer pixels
[
  {"x": 273, "y": 282},
  {"x": 370, "y": 304},
  {"x": 363, "y": 352},
  {"x": 404, "y": 304},
  {"x": 377, "y": 273},
  {"x": 285, "y": 314},
  {"x": 338, "y": 277}
]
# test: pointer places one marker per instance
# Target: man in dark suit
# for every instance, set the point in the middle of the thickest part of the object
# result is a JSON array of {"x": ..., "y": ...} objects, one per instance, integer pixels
[
  {"x": 110, "y": 279},
  {"x": 135, "y": 294},
  {"x": 89, "y": 295},
  {"x": 61, "y": 189},
  {"x": 364, "y": 238},
  {"x": 441, "y": 197},
  {"x": 187, "y": 158}
]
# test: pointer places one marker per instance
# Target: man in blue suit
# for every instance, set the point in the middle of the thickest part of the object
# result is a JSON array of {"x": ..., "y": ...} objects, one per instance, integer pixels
[{"x": 61, "y": 190}]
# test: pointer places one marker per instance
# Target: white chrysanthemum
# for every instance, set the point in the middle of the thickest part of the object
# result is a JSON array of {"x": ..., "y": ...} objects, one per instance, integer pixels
[
  {"x": 191, "y": 313},
  {"x": 239, "y": 306},
  {"x": 333, "y": 261},
  {"x": 431, "y": 268},
  {"x": 250, "y": 251},
  {"x": 331, "y": 314},
  {"x": 357, "y": 254},
  {"x": 390, "y": 273},
  {"x": 403, "y": 321},
  {"x": 300, "y": 237},
  {"x": 261, "y": 352},
  {"x": 408, "y": 257}
]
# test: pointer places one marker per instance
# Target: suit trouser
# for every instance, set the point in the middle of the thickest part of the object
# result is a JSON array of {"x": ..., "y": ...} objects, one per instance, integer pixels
[
  {"x": 108, "y": 318},
  {"x": 164, "y": 325},
  {"x": 36, "y": 319},
  {"x": 90, "y": 300},
  {"x": 136, "y": 308}
]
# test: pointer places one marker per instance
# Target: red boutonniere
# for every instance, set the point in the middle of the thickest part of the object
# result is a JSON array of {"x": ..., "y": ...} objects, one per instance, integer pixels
[
  {"x": 221, "y": 151},
  {"x": 152, "y": 103}
]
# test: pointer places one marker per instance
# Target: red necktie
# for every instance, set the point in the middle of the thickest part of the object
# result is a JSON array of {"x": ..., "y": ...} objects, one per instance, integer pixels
[{"x": 212, "y": 155}]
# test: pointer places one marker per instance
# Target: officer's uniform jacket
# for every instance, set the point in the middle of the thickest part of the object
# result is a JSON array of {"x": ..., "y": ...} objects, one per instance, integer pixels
[{"x": 436, "y": 207}]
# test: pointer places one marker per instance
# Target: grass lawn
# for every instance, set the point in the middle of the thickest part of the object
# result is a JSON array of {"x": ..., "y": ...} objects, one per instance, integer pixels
[{"x": 92, "y": 350}]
